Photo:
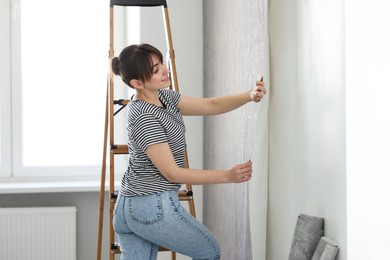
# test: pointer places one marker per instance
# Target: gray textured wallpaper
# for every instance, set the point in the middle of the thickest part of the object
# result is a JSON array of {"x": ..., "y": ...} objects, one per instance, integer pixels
[{"x": 234, "y": 43}]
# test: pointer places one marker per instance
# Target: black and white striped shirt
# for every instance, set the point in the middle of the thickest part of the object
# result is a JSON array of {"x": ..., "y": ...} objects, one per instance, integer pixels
[{"x": 149, "y": 124}]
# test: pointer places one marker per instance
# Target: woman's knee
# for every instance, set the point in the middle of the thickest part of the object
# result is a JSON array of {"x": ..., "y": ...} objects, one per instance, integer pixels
[{"x": 212, "y": 252}]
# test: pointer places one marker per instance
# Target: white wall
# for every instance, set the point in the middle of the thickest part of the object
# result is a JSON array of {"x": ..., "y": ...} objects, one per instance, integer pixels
[
  {"x": 368, "y": 128},
  {"x": 307, "y": 160}
]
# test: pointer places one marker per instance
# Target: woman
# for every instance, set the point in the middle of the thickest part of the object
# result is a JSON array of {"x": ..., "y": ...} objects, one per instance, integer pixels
[{"x": 148, "y": 211}]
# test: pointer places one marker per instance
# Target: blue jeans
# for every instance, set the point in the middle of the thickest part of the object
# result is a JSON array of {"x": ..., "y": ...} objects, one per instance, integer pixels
[{"x": 142, "y": 223}]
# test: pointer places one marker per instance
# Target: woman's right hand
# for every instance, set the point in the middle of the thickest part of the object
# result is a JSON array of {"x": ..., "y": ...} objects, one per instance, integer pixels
[{"x": 241, "y": 172}]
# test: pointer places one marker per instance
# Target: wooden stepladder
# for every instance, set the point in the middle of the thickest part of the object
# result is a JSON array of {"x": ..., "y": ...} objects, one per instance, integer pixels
[{"x": 118, "y": 149}]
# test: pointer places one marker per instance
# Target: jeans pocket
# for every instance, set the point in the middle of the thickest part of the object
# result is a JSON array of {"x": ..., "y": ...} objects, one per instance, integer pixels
[
  {"x": 117, "y": 205},
  {"x": 146, "y": 209},
  {"x": 174, "y": 201},
  {"x": 118, "y": 218}
]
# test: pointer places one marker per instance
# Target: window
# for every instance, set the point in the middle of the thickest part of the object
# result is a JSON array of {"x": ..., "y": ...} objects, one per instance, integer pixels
[
  {"x": 5, "y": 79},
  {"x": 54, "y": 63}
]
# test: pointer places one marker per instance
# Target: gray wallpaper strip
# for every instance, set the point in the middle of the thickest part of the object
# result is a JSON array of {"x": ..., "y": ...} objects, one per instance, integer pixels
[{"x": 234, "y": 41}]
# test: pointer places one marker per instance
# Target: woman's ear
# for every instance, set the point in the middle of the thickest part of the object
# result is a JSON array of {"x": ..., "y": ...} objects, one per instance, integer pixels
[{"x": 137, "y": 84}]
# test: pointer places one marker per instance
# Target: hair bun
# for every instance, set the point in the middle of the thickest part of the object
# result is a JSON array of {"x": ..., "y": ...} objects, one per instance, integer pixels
[{"x": 115, "y": 65}]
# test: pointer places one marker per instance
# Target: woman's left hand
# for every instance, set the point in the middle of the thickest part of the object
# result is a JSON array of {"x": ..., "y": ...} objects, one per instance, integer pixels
[{"x": 259, "y": 91}]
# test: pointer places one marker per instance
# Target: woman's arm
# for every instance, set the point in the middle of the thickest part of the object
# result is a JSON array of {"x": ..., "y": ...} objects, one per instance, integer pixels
[
  {"x": 220, "y": 105},
  {"x": 161, "y": 156}
]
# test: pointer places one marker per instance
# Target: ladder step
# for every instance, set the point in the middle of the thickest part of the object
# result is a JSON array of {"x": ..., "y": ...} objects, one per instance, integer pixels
[
  {"x": 184, "y": 195},
  {"x": 119, "y": 149},
  {"x": 115, "y": 248},
  {"x": 122, "y": 102}
]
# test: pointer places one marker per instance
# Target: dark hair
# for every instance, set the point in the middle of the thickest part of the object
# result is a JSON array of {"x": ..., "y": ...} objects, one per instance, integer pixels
[{"x": 135, "y": 62}]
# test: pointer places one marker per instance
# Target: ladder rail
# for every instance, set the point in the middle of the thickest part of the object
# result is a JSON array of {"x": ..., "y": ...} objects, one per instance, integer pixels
[
  {"x": 174, "y": 81},
  {"x": 103, "y": 179},
  {"x": 111, "y": 105},
  {"x": 175, "y": 84},
  {"x": 184, "y": 195}
]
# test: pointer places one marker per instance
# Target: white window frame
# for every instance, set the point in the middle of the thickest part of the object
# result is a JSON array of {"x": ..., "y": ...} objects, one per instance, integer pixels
[
  {"x": 5, "y": 92},
  {"x": 11, "y": 113}
]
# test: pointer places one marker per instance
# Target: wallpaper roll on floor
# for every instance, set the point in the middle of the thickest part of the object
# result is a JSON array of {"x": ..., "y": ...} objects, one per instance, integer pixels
[
  {"x": 308, "y": 232},
  {"x": 326, "y": 250}
]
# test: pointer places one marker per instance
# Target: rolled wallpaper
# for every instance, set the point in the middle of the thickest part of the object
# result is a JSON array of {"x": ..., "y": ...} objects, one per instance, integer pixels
[
  {"x": 308, "y": 232},
  {"x": 326, "y": 250}
]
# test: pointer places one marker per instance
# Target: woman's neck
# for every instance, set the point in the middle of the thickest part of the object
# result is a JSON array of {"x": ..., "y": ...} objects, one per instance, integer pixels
[{"x": 149, "y": 97}]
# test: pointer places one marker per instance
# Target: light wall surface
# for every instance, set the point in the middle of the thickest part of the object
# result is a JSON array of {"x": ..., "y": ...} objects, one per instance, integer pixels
[
  {"x": 368, "y": 128},
  {"x": 307, "y": 154}
]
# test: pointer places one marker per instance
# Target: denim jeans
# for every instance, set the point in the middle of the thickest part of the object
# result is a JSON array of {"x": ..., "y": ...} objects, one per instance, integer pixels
[{"x": 144, "y": 222}]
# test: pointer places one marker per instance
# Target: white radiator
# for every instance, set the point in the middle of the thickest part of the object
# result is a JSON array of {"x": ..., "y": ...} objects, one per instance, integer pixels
[{"x": 38, "y": 233}]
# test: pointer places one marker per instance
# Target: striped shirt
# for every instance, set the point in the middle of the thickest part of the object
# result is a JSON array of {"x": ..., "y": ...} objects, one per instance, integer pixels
[{"x": 149, "y": 124}]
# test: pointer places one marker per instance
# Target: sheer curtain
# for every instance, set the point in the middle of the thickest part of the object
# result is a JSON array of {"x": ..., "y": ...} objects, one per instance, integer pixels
[{"x": 235, "y": 56}]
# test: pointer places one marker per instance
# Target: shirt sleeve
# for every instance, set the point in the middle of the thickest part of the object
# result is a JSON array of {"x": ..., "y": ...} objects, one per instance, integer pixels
[
  {"x": 148, "y": 130},
  {"x": 172, "y": 96}
]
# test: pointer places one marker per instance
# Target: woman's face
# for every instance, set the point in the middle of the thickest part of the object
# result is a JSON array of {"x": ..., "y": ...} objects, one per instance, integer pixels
[{"x": 160, "y": 77}]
